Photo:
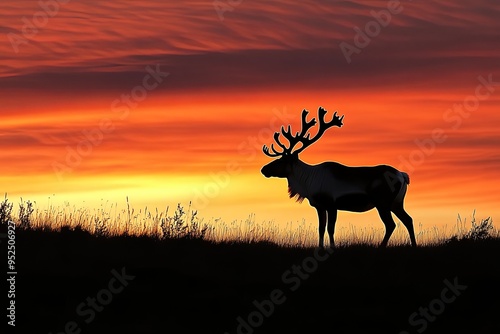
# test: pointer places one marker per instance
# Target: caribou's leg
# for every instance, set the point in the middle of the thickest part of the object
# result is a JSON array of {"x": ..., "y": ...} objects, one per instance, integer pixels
[
  {"x": 407, "y": 221},
  {"x": 386, "y": 217},
  {"x": 322, "y": 226},
  {"x": 332, "y": 219}
]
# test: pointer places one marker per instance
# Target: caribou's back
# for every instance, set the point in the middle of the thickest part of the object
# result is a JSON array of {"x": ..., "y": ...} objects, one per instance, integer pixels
[{"x": 358, "y": 189}]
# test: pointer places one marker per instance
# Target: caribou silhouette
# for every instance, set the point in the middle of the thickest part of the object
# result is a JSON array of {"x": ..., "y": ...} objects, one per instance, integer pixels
[{"x": 331, "y": 186}]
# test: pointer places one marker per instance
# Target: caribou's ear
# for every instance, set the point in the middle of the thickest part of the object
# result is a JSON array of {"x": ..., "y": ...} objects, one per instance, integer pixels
[{"x": 295, "y": 155}]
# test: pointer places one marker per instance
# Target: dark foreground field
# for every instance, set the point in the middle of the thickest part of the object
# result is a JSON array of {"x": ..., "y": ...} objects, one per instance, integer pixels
[{"x": 75, "y": 283}]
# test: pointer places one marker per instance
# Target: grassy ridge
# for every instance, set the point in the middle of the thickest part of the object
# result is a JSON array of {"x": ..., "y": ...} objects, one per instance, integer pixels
[
  {"x": 197, "y": 286},
  {"x": 183, "y": 281},
  {"x": 107, "y": 220}
]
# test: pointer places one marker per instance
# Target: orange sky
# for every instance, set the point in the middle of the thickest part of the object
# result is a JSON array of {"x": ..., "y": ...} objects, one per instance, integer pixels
[{"x": 197, "y": 135}]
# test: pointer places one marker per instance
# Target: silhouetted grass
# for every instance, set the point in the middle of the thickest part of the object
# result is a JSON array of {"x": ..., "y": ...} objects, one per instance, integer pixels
[
  {"x": 484, "y": 230},
  {"x": 192, "y": 277},
  {"x": 196, "y": 277},
  {"x": 107, "y": 221},
  {"x": 201, "y": 286},
  {"x": 5, "y": 211}
]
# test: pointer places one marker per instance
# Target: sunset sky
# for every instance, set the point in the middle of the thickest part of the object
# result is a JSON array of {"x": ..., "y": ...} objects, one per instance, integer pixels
[{"x": 178, "y": 97}]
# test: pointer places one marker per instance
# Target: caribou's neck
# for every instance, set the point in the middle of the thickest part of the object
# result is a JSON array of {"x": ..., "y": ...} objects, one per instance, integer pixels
[{"x": 302, "y": 181}]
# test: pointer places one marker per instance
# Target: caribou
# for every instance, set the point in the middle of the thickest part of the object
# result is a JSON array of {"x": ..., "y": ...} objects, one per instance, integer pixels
[{"x": 331, "y": 186}]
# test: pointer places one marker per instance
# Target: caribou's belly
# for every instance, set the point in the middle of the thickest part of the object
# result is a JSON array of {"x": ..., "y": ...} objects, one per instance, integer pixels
[{"x": 356, "y": 202}]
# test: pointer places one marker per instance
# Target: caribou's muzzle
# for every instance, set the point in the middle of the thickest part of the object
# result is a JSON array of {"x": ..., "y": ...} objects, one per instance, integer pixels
[{"x": 265, "y": 172}]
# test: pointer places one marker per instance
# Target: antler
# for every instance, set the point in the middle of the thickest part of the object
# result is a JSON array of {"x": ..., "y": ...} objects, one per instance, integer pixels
[
  {"x": 323, "y": 126},
  {"x": 301, "y": 137}
]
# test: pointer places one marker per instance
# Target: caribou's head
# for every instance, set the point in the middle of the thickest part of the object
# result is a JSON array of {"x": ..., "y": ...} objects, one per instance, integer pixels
[{"x": 282, "y": 167}]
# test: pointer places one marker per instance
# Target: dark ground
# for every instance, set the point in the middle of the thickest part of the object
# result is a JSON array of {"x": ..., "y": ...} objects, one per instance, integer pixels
[{"x": 186, "y": 286}]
